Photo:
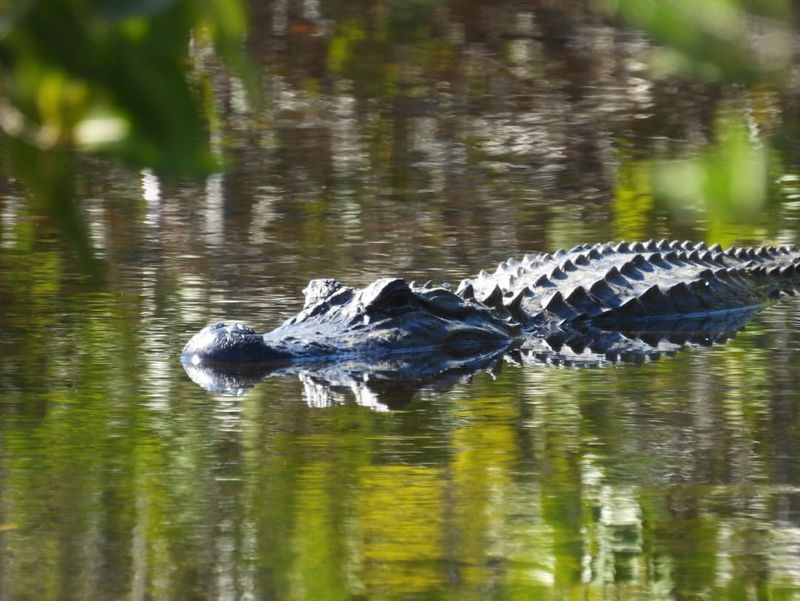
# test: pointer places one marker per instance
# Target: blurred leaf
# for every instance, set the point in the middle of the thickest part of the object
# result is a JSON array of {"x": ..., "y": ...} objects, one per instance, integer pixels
[
  {"x": 714, "y": 39},
  {"x": 49, "y": 177},
  {"x": 746, "y": 41},
  {"x": 729, "y": 178},
  {"x": 108, "y": 76}
]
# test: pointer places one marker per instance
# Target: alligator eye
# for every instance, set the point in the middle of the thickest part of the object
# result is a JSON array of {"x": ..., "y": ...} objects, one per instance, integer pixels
[
  {"x": 390, "y": 297},
  {"x": 394, "y": 302}
]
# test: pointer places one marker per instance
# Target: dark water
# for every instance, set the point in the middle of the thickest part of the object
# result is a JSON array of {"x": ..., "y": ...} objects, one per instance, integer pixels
[{"x": 428, "y": 141}]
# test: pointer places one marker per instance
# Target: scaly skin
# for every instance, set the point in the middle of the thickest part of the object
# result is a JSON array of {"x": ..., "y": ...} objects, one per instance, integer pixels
[
  {"x": 634, "y": 284},
  {"x": 592, "y": 296}
]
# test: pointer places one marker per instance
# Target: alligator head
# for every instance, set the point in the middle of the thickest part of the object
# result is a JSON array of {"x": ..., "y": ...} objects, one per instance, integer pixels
[{"x": 386, "y": 319}]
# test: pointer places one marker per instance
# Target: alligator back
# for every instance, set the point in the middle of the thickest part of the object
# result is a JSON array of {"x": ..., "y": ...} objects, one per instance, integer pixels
[{"x": 637, "y": 285}]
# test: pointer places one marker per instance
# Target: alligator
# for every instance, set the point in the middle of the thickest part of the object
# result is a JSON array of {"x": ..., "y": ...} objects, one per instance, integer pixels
[{"x": 613, "y": 301}]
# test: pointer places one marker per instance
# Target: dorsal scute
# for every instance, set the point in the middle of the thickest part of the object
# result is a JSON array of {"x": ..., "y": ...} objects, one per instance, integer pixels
[
  {"x": 514, "y": 305},
  {"x": 494, "y": 298},
  {"x": 466, "y": 290},
  {"x": 668, "y": 277},
  {"x": 656, "y": 302},
  {"x": 630, "y": 270},
  {"x": 603, "y": 292}
]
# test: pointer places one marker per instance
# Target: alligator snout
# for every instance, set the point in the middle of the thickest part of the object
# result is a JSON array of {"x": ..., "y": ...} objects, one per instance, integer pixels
[{"x": 230, "y": 343}]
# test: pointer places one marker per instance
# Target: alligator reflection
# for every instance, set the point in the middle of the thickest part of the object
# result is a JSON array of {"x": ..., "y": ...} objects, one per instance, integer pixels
[{"x": 388, "y": 384}]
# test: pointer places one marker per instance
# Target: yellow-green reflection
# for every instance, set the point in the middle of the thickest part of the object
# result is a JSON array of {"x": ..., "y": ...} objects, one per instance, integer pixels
[
  {"x": 402, "y": 528},
  {"x": 633, "y": 200}
]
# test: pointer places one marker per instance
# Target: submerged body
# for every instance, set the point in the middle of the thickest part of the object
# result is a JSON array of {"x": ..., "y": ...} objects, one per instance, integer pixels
[{"x": 585, "y": 297}]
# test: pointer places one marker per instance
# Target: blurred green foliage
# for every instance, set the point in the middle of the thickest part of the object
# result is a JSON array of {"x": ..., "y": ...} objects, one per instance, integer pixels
[
  {"x": 729, "y": 177},
  {"x": 735, "y": 40},
  {"x": 107, "y": 76},
  {"x": 747, "y": 43}
]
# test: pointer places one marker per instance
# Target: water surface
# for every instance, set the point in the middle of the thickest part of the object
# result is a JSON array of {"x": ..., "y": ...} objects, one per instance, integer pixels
[{"x": 427, "y": 146}]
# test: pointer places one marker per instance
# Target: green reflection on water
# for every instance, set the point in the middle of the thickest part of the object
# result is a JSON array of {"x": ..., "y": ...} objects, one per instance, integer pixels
[
  {"x": 672, "y": 480},
  {"x": 677, "y": 479},
  {"x": 389, "y": 148}
]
